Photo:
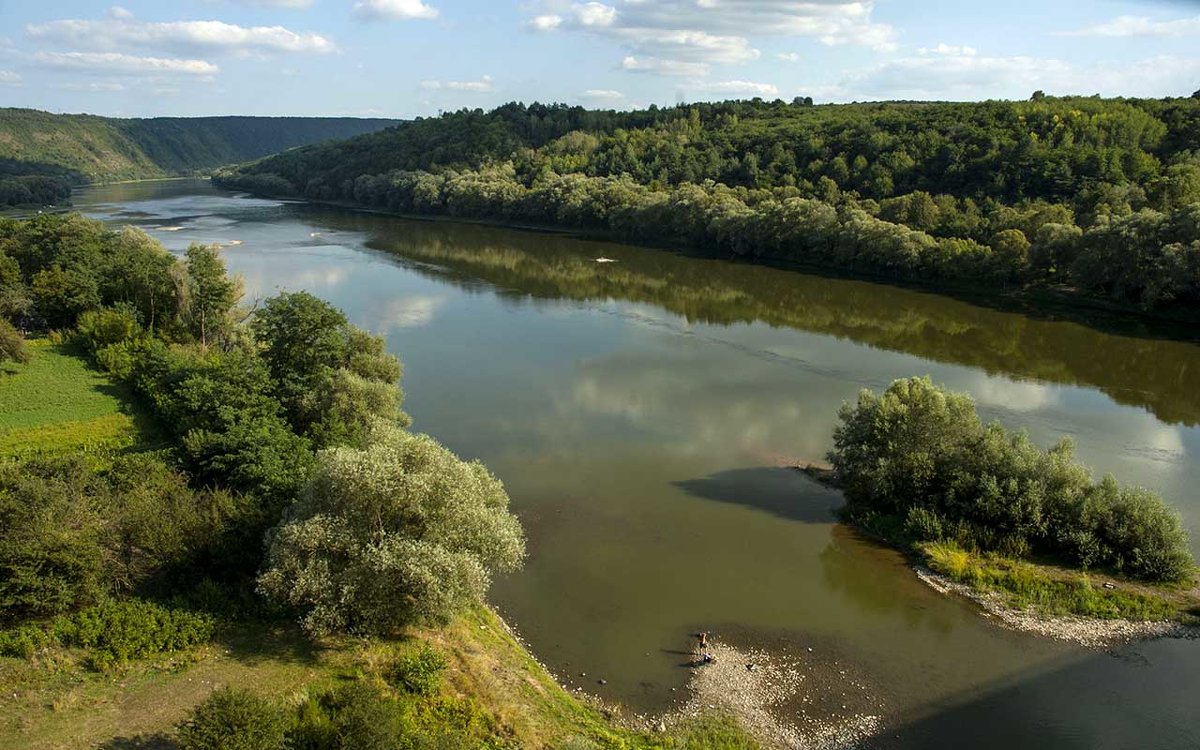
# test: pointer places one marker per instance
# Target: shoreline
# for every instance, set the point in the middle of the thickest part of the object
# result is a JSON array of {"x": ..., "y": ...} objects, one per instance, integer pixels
[
  {"x": 1026, "y": 300},
  {"x": 1090, "y": 632}
]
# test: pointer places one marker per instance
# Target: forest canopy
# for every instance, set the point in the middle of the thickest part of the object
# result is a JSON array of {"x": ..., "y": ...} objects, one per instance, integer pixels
[{"x": 1086, "y": 194}]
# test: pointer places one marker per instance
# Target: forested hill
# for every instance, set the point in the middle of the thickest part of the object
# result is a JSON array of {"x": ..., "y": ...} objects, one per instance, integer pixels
[
  {"x": 92, "y": 148},
  {"x": 1097, "y": 194}
]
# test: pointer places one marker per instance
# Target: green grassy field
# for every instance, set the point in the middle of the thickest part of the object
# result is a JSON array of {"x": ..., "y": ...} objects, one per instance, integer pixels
[{"x": 57, "y": 404}]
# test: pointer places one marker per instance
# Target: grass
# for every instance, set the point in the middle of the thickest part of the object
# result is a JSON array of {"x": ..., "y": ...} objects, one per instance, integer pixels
[
  {"x": 1049, "y": 591},
  {"x": 57, "y": 404},
  {"x": 490, "y": 681}
]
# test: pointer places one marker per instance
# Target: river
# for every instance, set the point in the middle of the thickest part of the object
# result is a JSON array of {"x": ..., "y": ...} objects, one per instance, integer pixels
[{"x": 641, "y": 413}]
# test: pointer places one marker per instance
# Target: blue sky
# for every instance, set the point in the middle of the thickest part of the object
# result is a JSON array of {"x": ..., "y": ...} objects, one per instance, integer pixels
[{"x": 405, "y": 58}]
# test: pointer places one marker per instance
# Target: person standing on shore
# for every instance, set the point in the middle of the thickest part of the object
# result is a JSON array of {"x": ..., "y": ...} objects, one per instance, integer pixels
[{"x": 702, "y": 643}]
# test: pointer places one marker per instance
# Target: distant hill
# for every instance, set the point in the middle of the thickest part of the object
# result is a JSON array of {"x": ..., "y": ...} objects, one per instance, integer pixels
[{"x": 88, "y": 148}]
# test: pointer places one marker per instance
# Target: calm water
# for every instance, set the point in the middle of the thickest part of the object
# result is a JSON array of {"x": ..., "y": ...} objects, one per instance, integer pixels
[{"x": 639, "y": 411}]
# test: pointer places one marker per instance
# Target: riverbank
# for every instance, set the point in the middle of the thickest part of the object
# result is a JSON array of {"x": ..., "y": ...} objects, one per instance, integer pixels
[
  {"x": 1043, "y": 600},
  {"x": 1060, "y": 301}
]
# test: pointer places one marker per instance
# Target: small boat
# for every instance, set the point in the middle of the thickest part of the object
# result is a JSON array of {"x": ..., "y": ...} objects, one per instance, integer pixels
[{"x": 602, "y": 259}]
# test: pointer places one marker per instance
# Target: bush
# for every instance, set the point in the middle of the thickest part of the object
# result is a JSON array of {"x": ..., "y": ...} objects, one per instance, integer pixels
[
  {"x": 12, "y": 344},
  {"x": 398, "y": 533},
  {"x": 234, "y": 719},
  {"x": 357, "y": 716},
  {"x": 419, "y": 673},
  {"x": 919, "y": 455}
]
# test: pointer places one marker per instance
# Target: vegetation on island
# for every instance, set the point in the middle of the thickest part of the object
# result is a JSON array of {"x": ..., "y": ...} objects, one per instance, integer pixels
[
  {"x": 985, "y": 506},
  {"x": 1099, "y": 196},
  {"x": 279, "y": 506},
  {"x": 43, "y": 155}
]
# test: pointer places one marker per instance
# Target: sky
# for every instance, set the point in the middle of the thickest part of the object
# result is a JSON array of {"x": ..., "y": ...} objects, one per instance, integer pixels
[{"x": 407, "y": 58}]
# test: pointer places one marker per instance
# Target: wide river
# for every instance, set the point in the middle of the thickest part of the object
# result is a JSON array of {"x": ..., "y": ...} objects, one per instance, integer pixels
[{"x": 641, "y": 412}]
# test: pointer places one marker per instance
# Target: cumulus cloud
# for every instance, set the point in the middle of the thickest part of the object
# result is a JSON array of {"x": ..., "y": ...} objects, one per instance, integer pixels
[
  {"x": 658, "y": 66},
  {"x": 119, "y": 30},
  {"x": 962, "y": 73},
  {"x": 93, "y": 87},
  {"x": 737, "y": 88},
  {"x": 116, "y": 62},
  {"x": 686, "y": 37},
  {"x": 790, "y": 57},
  {"x": 394, "y": 10},
  {"x": 9, "y": 78},
  {"x": 1127, "y": 26},
  {"x": 276, "y": 3},
  {"x": 603, "y": 95},
  {"x": 483, "y": 84}
]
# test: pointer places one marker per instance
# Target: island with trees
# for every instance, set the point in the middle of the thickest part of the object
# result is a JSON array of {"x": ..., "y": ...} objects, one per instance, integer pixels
[
  {"x": 1022, "y": 530},
  {"x": 1088, "y": 198}
]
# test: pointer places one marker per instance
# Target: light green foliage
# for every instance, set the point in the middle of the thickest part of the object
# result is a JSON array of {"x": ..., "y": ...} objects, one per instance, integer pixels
[
  {"x": 113, "y": 633},
  {"x": 234, "y": 719},
  {"x": 418, "y": 672},
  {"x": 399, "y": 532},
  {"x": 55, "y": 404},
  {"x": 1023, "y": 586},
  {"x": 916, "y": 461}
]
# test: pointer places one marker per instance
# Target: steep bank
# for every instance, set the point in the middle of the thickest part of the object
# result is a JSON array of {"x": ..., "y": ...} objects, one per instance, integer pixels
[{"x": 89, "y": 148}]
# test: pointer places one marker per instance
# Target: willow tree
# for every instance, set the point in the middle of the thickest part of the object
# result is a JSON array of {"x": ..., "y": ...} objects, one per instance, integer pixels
[{"x": 399, "y": 532}]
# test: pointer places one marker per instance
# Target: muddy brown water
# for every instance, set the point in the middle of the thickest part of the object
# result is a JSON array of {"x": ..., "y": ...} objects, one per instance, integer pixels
[{"x": 640, "y": 413}]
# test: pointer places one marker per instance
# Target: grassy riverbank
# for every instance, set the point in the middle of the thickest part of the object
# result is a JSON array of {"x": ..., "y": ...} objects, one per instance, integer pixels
[{"x": 492, "y": 690}]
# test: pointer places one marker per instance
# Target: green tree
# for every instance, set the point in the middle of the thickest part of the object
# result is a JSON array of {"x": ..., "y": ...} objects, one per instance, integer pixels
[
  {"x": 211, "y": 294},
  {"x": 399, "y": 532},
  {"x": 12, "y": 344}
]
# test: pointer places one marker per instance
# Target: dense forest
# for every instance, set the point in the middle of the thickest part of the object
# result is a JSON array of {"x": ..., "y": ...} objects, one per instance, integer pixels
[
  {"x": 1089, "y": 194},
  {"x": 42, "y": 154}
]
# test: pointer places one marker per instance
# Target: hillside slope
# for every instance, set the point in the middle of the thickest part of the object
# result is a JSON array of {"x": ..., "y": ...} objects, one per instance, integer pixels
[
  {"x": 91, "y": 148},
  {"x": 1082, "y": 194}
]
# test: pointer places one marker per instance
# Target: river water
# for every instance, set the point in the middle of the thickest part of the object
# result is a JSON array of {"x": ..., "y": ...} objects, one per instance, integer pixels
[{"x": 641, "y": 412}]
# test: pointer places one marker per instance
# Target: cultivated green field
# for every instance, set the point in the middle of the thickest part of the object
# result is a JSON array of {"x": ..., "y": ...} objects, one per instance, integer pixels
[{"x": 56, "y": 404}]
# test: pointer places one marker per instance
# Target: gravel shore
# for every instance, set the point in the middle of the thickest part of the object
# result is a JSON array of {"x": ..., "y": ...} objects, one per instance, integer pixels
[
  {"x": 783, "y": 701},
  {"x": 1088, "y": 632}
]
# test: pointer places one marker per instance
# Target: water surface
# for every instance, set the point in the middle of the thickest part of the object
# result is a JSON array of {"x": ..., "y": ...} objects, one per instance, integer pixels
[{"x": 640, "y": 412}]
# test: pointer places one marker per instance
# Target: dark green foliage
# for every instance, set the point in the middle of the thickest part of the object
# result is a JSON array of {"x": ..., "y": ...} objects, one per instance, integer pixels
[
  {"x": 916, "y": 460},
  {"x": 942, "y": 193},
  {"x": 75, "y": 529},
  {"x": 331, "y": 377},
  {"x": 234, "y": 719},
  {"x": 419, "y": 672}
]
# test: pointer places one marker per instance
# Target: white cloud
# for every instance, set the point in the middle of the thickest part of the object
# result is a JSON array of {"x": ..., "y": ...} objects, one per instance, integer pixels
[
  {"x": 9, "y": 78},
  {"x": 738, "y": 88},
  {"x": 960, "y": 73},
  {"x": 276, "y": 3},
  {"x": 790, "y": 57},
  {"x": 546, "y": 23},
  {"x": 120, "y": 31},
  {"x": 685, "y": 37},
  {"x": 116, "y": 62},
  {"x": 662, "y": 67},
  {"x": 603, "y": 95},
  {"x": 393, "y": 9},
  {"x": 483, "y": 84},
  {"x": 1126, "y": 26},
  {"x": 95, "y": 87},
  {"x": 949, "y": 49}
]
